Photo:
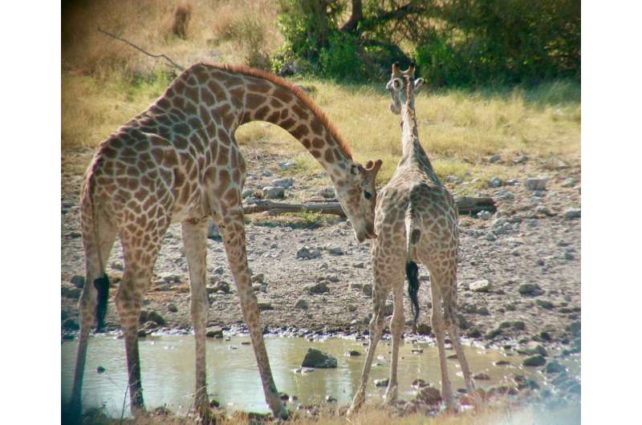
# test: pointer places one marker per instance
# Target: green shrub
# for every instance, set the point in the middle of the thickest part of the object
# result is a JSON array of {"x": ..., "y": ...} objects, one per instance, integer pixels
[{"x": 340, "y": 60}]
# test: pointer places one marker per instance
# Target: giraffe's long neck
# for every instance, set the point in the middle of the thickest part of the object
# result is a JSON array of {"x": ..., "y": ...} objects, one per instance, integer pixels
[
  {"x": 412, "y": 151},
  {"x": 291, "y": 110}
]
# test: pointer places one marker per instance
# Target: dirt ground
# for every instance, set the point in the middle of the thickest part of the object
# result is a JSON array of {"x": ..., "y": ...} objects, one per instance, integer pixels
[{"x": 533, "y": 239}]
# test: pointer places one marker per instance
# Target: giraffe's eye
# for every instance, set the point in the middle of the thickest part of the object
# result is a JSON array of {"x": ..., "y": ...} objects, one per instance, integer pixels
[{"x": 367, "y": 194}]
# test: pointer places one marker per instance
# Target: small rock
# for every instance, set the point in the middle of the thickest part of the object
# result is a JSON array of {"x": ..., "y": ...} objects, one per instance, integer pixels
[
  {"x": 491, "y": 237},
  {"x": 117, "y": 265},
  {"x": 423, "y": 329},
  {"x": 536, "y": 183},
  {"x": 547, "y": 305},
  {"x": 258, "y": 278},
  {"x": 100, "y": 369},
  {"x": 494, "y": 159},
  {"x": 155, "y": 317},
  {"x": 530, "y": 289},
  {"x": 318, "y": 359},
  {"x": 505, "y": 195},
  {"x": 285, "y": 183},
  {"x": 264, "y": 306},
  {"x": 429, "y": 395},
  {"x": 502, "y": 363},
  {"x": 534, "y": 361},
  {"x": 520, "y": 159},
  {"x": 70, "y": 325},
  {"x": 78, "y": 281},
  {"x": 302, "y": 304},
  {"x": 572, "y": 213},
  {"x": 381, "y": 382},
  {"x": 70, "y": 292},
  {"x": 482, "y": 285},
  {"x": 327, "y": 192},
  {"x": 481, "y": 376},
  {"x": 484, "y": 215},
  {"x": 214, "y": 332},
  {"x": 172, "y": 308},
  {"x": 367, "y": 289},
  {"x": 317, "y": 288},
  {"x": 495, "y": 182},
  {"x": 419, "y": 383},
  {"x": 307, "y": 253},
  {"x": 453, "y": 179},
  {"x": 569, "y": 182},
  {"x": 335, "y": 250},
  {"x": 554, "y": 367},
  {"x": 352, "y": 353},
  {"x": 273, "y": 192},
  {"x": 330, "y": 399}
]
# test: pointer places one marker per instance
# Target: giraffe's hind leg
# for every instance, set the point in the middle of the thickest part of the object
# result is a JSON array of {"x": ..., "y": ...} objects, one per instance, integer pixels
[
  {"x": 98, "y": 239},
  {"x": 439, "y": 330},
  {"x": 195, "y": 243},
  {"x": 140, "y": 255}
]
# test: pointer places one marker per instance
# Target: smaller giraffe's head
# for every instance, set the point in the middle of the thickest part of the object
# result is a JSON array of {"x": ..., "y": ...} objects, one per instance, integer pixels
[
  {"x": 402, "y": 87},
  {"x": 358, "y": 197}
]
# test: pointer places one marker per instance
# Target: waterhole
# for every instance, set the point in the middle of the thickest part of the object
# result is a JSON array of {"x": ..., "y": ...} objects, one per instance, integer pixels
[{"x": 168, "y": 371}]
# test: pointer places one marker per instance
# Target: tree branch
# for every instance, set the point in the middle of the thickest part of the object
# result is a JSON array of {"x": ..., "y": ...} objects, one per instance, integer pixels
[
  {"x": 465, "y": 206},
  {"x": 167, "y": 58}
]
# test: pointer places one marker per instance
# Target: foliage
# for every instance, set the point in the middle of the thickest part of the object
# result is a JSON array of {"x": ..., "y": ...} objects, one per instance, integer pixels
[
  {"x": 341, "y": 58},
  {"x": 502, "y": 41},
  {"x": 454, "y": 42}
]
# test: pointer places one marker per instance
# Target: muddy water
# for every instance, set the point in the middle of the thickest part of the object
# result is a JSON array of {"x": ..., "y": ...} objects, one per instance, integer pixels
[{"x": 233, "y": 380}]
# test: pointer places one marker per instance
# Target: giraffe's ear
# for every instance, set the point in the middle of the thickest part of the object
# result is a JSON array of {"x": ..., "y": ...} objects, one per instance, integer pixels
[
  {"x": 394, "y": 84},
  {"x": 418, "y": 83}
]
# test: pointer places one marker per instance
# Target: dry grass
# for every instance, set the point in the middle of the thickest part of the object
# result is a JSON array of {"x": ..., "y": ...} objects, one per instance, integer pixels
[
  {"x": 376, "y": 416},
  {"x": 106, "y": 82}
]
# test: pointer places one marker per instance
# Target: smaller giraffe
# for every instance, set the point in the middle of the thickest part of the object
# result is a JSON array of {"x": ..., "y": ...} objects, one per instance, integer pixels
[{"x": 415, "y": 221}]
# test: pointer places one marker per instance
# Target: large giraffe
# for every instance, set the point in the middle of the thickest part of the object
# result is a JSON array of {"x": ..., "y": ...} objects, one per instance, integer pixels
[
  {"x": 415, "y": 221},
  {"x": 178, "y": 161}
]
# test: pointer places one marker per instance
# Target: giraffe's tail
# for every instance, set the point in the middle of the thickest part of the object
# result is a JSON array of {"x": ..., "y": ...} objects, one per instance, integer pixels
[
  {"x": 412, "y": 271},
  {"x": 101, "y": 283}
]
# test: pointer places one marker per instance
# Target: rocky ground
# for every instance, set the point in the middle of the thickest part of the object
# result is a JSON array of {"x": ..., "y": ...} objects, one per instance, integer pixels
[{"x": 519, "y": 269}]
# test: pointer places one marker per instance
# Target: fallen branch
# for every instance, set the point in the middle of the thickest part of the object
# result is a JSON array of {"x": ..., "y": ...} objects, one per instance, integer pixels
[
  {"x": 465, "y": 205},
  {"x": 167, "y": 58},
  {"x": 280, "y": 207}
]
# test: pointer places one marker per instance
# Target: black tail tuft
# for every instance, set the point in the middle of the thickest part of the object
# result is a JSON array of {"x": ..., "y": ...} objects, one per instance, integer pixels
[
  {"x": 412, "y": 273},
  {"x": 102, "y": 286}
]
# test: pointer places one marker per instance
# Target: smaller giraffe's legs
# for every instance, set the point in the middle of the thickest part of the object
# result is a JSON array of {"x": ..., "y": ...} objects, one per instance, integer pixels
[
  {"x": 195, "y": 244},
  {"x": 461, "y": 357},
  {"x": 233, "y": 232},
  {"x": 396, "y": 327},
  {"x": 380, "y": 293},
  {"x": 439, "y": 330}
]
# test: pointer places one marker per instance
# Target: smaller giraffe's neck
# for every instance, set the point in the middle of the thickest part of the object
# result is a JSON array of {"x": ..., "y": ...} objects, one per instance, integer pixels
[{"x": 412, "y": 151}]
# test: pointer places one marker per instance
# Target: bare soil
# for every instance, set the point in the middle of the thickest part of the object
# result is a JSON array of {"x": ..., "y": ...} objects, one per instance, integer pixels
[{"x": 528, "y": 241}]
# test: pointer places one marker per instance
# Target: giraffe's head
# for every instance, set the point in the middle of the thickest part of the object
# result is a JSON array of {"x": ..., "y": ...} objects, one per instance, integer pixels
[
  {"x": 402, "y": 87},
  {"x": 358, "y": 197}
]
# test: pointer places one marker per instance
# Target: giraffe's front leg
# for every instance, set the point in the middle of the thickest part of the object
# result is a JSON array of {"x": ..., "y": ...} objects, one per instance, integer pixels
[
  {"x": 195, "y": 244},
  {"x": 233, "y": 232}
]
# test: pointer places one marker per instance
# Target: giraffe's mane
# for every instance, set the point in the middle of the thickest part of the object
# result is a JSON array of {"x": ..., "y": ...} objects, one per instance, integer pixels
[{"x": 298, "y": 92}]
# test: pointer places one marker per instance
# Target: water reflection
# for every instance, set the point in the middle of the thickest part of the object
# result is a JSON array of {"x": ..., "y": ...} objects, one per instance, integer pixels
[{"x": 168, "y": 371}]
